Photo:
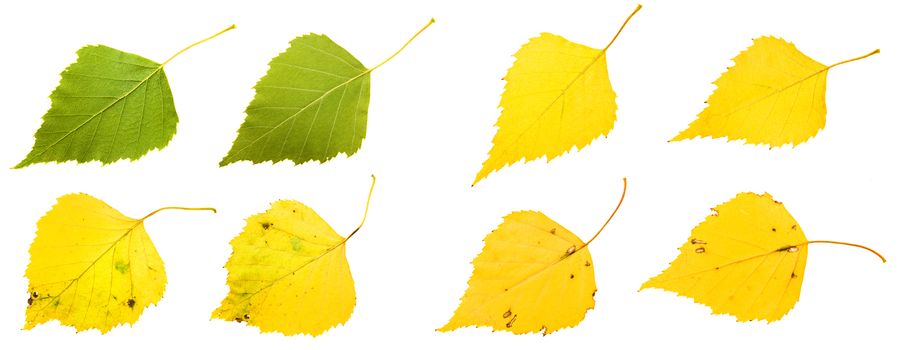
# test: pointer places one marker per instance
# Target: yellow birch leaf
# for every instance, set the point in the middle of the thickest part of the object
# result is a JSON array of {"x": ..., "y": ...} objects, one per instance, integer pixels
[
  {"x": 92, "y": 267},
  {"x": 773, "y": 95},
  {"x": 558, "y": 96},
  {"x": 289, "y": 273},
  {"x": 533, "y": 275},
  {"x": 746, "y": 260}
]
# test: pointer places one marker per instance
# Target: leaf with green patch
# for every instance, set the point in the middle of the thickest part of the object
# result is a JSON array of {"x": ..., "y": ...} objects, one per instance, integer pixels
[
  {"x": 110, "y": 105},
  {"x": 311, "y": 105}
]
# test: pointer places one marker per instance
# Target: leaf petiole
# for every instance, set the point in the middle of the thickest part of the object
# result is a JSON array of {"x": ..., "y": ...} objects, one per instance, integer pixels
[
  {"x": 196, "y": 43},
  {"x": 876, "y": 51},
  {"x": 637, "y": 8},
  {"x": 401, "y": 48},
  {"x": 851, "y": 245},
  {"x": 623, "y": 196},
  {"x": 367, "y": 204},
  {"x": 173, "y": 208}
]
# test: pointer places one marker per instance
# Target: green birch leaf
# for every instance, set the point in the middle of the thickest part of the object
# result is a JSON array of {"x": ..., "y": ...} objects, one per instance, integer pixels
[
  {"x": 110, "y": 105},
  {"x": 312, "y": 104}
]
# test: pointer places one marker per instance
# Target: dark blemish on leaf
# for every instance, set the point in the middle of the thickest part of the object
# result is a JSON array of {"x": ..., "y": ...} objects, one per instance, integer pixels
[
  {"x": 507, "y": 313},
  {"x": 794, "y": 227},
  {"x": 697, "y": 241},
  {"x": 34, "y": 295},
  {"x": 793, "y": 275},
  {"x": 506, "y": 289},
  {"x": 773, "y": 229},
  {"x": 237, "y": 319},
  {"x": 593, "y": 293},
  {"x": 30, "y": 300},
  {"x": 700, "y": 250},
  {"x": 246, "y": 316},
  {"x": 571, "y": 276},
  {"x": 130, "y": 303},
  {"x": 554, "y": 231},
  {"x": 266, "y": 225},
  {"x": 587, "y": 263},
  {"x": 512, "y": 321}
]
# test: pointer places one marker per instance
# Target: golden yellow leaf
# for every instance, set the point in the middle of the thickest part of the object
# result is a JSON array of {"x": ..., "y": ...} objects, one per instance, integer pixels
[
  {"x": 91, "y": 266},
  {"x": 747, "y": 260},
  {"x": 558, "y": 96},
  {"x": 289, "y": 273},
  {"x": 533, "y": 275},
  {"x": 773, "y": 95}
]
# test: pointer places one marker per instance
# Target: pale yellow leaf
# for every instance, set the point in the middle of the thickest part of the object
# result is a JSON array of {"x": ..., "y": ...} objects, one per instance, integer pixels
[
  {"x": 558, "y": 96},
  {"x": 773, "y": 95}
]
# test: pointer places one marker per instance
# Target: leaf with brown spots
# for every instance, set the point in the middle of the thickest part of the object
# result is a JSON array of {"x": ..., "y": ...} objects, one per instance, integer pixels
[
  {"x": 92, "y": 267},
  {"x": 533, "y": 275},
  {"x": 746, "y": 260},
  {"x": 289, "y": 273}
]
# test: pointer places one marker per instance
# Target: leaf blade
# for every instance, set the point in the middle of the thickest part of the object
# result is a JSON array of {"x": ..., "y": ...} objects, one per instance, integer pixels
[
  {"x": 288, "y": 273},
  {"x": 314, "y": 73},
  {"x": 82, "y": 239},
  {"x": 747, "y": 260},
  {"x": 103, "y": 98},
  {"x": 525, "y": 279}
]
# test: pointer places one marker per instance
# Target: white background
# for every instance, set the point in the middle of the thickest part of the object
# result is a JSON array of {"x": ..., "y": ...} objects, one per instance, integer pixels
[{"x": 430, "y": 126}]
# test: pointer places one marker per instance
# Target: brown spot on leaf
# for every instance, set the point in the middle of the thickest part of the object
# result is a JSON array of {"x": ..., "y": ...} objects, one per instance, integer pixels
[
  {"x": 773, "y": 229},
  {"x": 30, "y": 300},
  {"x": 697, "y": 241},
  {"x": 507, "y": 314},
  {"x": 130, "y": 303},
  {"x": 793, "y": 275},
  {"x": 512, "y": 321},
  {"x": 588, "y": 263},
  {"x": 266, "y": 225},
  {"x": 794, "y": 227},
  {"x": 237, "y": 319},
  {"x": 246, "y": 316},
  {"x": 571, "y": 276},
  {"x": 554, "y": 231},
  {"x": 34, "y": 295},
  {"x": 700, "y": 250}
]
